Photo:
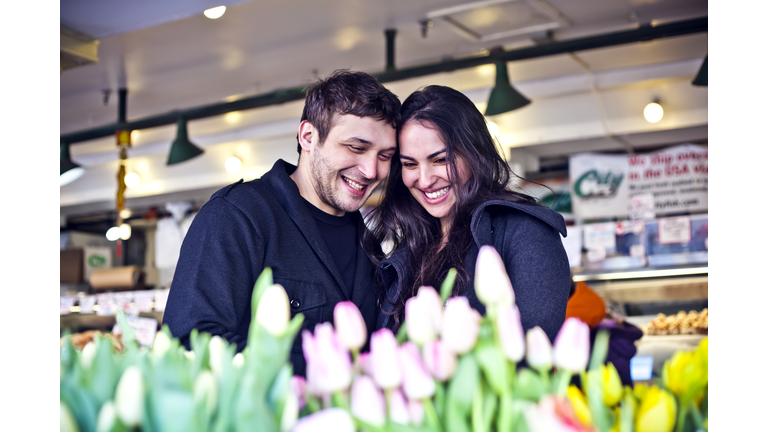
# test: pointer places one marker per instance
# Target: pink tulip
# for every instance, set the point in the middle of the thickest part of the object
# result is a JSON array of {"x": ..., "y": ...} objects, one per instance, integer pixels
[
  {"x": 571, "y": 350},
  {"x": 363, "y": 364},
  {"x": 492, "y": 284},
  {"x": 423, "y": 315},
  {"x": 368, "y": 401},
  {"x": 511, "y": 333},
  {"x": 298, "y": 385},
  {"x": 434, "y": 306},
  {"x": 538, "y": 349},
  {"x": 383, "y": 359},
  {"x": 461, "y": 325},
  {"x": 553, "y": 414},
  {"x": 398, "y": 407},
  {"x": 329, "y": 367},
  {"x": 417, "y": 383},
  {"x": 416, "y": 412},
  {"x": 329, "y": 419},
  {"x": 439, "y": 360},
  {"x": 350, "y": 325}
]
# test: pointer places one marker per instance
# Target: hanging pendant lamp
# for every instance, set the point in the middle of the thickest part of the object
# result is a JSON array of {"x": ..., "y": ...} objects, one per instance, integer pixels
[
  {"x": 182, "y": 149},
  {"x": 701, "y": 77},
  {"x": 68, "y": 170},
  {"x": 504, "y": 97}
]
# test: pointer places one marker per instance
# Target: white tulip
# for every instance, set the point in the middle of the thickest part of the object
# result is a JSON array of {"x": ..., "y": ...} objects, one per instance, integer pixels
[
  {"x": 492, "y": 284},
  {"x": 238, "y": 360},
  {"x": 66, "y": 420},
  {"x": 205, "y": 390},
  {"x": 290, "y": 412},
  {"x": 161, "y": 344},
  {"x": 216, "y": 352},
  {"x": 107, "y": 417},
  {"x": 129, "y": 397},
  {"x": 86, "y": 357},
  {"x": 273, "y": 312}
]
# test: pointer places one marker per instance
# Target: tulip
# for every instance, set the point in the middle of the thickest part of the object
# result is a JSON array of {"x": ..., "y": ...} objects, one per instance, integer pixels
[
  {"x": 417, "y": 383},
  {"x": 383, "y": 359},
  {"x": 107, "y": 417},
  {"x": 492, "y": 284},
  {"x": 204, "y": 391},
  {"x": 368, "y": 402},
  {"x": 612, "y": 387},
  {"x": 439, "y": 360},
  {"x": 580, "y": 405},
  {"x": 329, "y": 419},
  {"x": 423, "y": 315},
  {"x": 298, "y": 386},
  {"x": 66, "y": 419},
  {"x": 238, "y": 360},
  {"x": 431, "y": 297},
  {"x": 190, "y": 355},
  {"x": 86, "y": 357},
  {"x": 216, "y": 348},
  {"x": 329, "y": 367},
  {"x": 129, "y": 397},
  {"x": 161, "y": 344},
  {"x": 363, "y": 363},
  {"x": 461, "y": 325},
  {"x": 657, "y": 411},
  {"x": 290, "y": 412},
  {"x": 350, "y": 325},
  {"x": 640, "y": 391},
  {"x": 553, "y": 414},
  {"x": 511, "y": 334},
  {"x": 571, "y": 349},
  {"x": 273, "y": 312},
  {"x": 416, "y": 412},
  {"x": 538, "y": 349},
  {"x": 398, "y": 407},
  {"x": 685, "y": 374}
]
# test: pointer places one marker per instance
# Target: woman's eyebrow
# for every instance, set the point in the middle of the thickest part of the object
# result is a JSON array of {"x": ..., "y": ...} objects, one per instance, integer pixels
[{"x": 402, "y": 156}]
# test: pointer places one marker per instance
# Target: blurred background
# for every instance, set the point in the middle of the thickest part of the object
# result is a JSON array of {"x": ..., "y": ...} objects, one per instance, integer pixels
[{"x": 600, "y": 105}]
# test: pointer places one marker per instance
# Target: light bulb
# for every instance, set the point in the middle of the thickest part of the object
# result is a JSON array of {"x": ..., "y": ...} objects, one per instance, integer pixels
[
  {"x": 125, "y": 231},
  {"x": 70, "y": 176},
  {"x": 653, "y": 112},
  {"x": 113, "y": 233},
  {"x": 216, "y": 12},
  {"x": 233, "y": 117},
  {"x": 233, "y": 165},
  {"x": 132, "y": 180},
  {"x": 493, "y": 128}
]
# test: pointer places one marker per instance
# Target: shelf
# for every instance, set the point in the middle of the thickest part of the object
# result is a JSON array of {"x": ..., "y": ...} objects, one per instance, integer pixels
[
  {"x": 77, "y": 322},
  {"x": 654, "y": 290},
  {"x": 640, "y": 273}
]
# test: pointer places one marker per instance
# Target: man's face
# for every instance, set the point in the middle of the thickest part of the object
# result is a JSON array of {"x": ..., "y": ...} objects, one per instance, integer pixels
[{"x": 352, "y": 161}]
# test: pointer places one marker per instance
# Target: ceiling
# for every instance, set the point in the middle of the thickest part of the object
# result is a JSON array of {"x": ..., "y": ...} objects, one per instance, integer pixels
[{"x": 170, "y": 57}]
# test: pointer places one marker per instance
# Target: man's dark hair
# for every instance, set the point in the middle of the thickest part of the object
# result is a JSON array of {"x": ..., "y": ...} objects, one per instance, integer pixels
[{"x": 347, "y": 92}]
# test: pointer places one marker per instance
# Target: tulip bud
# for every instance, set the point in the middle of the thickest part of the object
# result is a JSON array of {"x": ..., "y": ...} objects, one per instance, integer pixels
[
  {"x": 416, "y": 412},
  {"x": 204, "y": 391},
  {"x": 86, "y": 357},
  {"x": 273, "y": 312},
  {"x": 434, "y": 306},
  {"x": 105, "y": 422},
  {"x": 538, "y": 349},
  {"x": 66, "y": 419},
  {"x": 129, "y": 397},
  {"x": 368, "y": 402},
  {"x": 329, "y": 367},
  {"x": 657, "y": 411},
  {"x": 492, "y": 284},
  {"x": 190, "y": 355},
  {"x": 216, "y": 348},
  {"x": 571, "y": 351},
  {"x": 298, "y": 386},
  {"x": 350, "y": 325},
  {"x": 383, "y": 359},
  {"x": 161, "y": 344},
  {"x": 417, "y": 383},
  {"x": 612, "y": 387},
  {"x": 398, "y": 407},
  {"x": 363, "y": 364},
  {"x": 329, "y": 419},
  {"x": 238, "y": 360},
  {"x": 580, "y": 405},
  {"x": 461, "y": 325},
  {"x": 511, "y": 333},
  {"x": 439, "y": 360},
  {"x": 418, "y": 324},
  {"x": 290, "y": 412},
  {"x": 685, "y": 373}
]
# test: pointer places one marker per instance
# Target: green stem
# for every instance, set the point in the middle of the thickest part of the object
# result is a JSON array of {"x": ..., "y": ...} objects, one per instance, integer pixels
[
  {"x": 563, "y": 380},
  {"x": 431, "y": 415},
  {"x": 364, "y": 426},
  {"x": 696, "y": 416},
  {"x": 681, "y": 417},
  {"x": 340, "y": 401},
  {"x": 544, "y": 376},
  {"x": 313, "y": 404},
  {"x": 402, "y": 335}
]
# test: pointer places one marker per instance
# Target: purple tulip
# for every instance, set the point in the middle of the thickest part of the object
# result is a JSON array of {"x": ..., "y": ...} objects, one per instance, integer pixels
[
  {"x": 329, "y": 367},
  {"x": 350, "y": 325},
  {"x": 383, "y": 359},
  {"x": 571, "y": 350},
  {"x": 461, "y": 325},
  {"x": 417, "y": 383},
  {"x": 398, "y": 407},
  {"x": 439, "y": 360},
  {"x": 511, "y": 333},
  {"x": 329, "y": 419},
  {"x": 492, "y": 284},
  {"x": 368, "y": 401},
  {"x": 538, "y": 349}
]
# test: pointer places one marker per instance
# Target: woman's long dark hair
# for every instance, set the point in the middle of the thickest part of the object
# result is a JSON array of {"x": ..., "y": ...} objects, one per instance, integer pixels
[{"x": 401, "y": 221}]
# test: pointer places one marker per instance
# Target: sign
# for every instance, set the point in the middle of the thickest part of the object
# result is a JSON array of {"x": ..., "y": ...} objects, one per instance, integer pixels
[
  {"x": 106, "y": 304},
  {"x": 675, "y": 230},
  {"x": 65, "y": 304},
  {"x": 598, "y": 185},
  {"x": 641, "y": 206},
  {"x": 86, "y": 304},
  {"x": 600, "y": 236},
  {"x": 145, "y": 329},
  {"x": 572, "y": 244},
  {"x": 144, "y": 300},
  {"x": 96, "y": 258}
]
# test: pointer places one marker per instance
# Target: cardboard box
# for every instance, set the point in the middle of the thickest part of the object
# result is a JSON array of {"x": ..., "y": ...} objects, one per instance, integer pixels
[{"x": 71, "y": 266}]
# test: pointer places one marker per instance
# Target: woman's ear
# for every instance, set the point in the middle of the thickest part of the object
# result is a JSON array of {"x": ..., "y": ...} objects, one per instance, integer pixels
[{"x": 307, "y": 135}]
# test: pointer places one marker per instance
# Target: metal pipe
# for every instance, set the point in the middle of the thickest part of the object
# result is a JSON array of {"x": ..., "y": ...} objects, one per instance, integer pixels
[
  {"x": 679, "y": 28},
  {"x": 121, "y": 105},
  {"x": 390, "y": 34}
]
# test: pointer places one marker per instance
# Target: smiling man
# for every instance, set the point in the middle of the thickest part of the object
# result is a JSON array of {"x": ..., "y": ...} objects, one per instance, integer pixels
[{"x": 301, "y": 221}]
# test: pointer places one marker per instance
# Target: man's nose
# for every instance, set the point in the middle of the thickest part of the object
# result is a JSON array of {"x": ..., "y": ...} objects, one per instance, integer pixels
[{"x": 367, "y": 167}]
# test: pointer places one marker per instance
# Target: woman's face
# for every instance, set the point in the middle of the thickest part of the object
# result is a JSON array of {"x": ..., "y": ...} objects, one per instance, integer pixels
[{"x": 425, "y": 170}]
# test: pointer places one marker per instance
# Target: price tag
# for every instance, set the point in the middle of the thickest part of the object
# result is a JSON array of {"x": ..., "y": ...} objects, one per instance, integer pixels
[
  {"x": 161, "y": 298},
  {"x": 675, "y": 230},
  {"x": 86, "y": 304},
  {"x": 143, "y": 300},
  {"x": 106, "y": 304},
  {"x": 596, "y": 255},
  {"x": 65, "y": 305},
  {"x": 600, "y": 236},
  {"x": 145, "y": 329},
  {"x": 123, "y": 301},
  {"x": 641, "y": 368},
  {"x": 641, "y": 207}
]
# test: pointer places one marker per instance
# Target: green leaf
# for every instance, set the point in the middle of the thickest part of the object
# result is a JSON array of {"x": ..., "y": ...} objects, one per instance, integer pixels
[
  {"x": 82, "y": 404},
  {"x": 439, "y": 399},
  {"x": 104, "y": 373},
  {"x": 279, "y": 391},
  {"x": 476, "y": 418},
  {"x": 599, "y": 350},
  {"x": 402, "y": 334},
  {"x": 447, "y": 287},
  {"x": 529, "y": 386},
  {"x": 129, "y": 336},
  {"x": 461, "y": 388},
  {"x": 490, "y": 403},
  {"x": 627, "y": 418},
  {"x": 251, "y": 412},
  {"x": 504, "y": 422},
  {"x": 494, "y": 366},
  {"x": 594, "y": 390},
  {"x": 174, "y": 410}
]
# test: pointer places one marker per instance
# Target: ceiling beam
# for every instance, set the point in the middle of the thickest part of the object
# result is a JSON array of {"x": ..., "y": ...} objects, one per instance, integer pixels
[{"x": 645, "y": 33}]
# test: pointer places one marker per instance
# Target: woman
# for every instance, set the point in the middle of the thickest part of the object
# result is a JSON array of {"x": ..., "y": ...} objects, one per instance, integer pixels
[{"x": 448, "y": 193}]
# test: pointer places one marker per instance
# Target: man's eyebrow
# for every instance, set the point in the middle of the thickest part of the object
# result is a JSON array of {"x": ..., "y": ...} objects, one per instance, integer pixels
[
  {"x": 359, "y": 140},
  {"x": 402, "y": 156}
]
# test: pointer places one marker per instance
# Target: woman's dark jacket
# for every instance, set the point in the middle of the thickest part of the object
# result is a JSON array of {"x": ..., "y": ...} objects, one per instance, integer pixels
[{"x": 528, "y": 239}]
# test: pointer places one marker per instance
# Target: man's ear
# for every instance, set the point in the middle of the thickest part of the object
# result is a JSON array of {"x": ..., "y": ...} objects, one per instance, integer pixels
[{"x": 307, "y": 135}]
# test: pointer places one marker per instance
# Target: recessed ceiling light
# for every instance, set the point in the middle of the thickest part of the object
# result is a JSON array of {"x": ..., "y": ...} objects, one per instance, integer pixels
[
  {"x": 216, "y": 12},
  {"x": 132, "y": 180},
  {"x": 233, "y": 165},
  {"x": 653, "y": 112}
]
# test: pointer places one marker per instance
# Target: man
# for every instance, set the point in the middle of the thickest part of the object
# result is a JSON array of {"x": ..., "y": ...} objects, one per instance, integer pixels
[{"x": 303, "y": 222}]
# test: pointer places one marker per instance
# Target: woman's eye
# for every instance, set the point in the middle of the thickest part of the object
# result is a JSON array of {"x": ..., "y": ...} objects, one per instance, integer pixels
[
  {"x": 440, "y": 161},
  {"x": 408, "y": 164}
]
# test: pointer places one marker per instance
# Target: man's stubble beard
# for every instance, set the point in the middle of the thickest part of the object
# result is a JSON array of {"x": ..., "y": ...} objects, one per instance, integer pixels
[{"x": 323, "y": 180}]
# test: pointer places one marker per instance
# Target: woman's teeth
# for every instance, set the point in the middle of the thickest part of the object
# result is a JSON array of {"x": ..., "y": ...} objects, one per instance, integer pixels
[
  {"x": 437, "y": 194},
  {"x": 353, "y": 183}
]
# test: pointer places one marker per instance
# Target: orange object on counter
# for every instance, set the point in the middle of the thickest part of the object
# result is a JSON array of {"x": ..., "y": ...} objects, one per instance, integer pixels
[{"x": 586, "y": 305}]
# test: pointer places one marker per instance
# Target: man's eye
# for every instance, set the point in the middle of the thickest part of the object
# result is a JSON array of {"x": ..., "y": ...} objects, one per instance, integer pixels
[
  {"x": 385, "y": 157},
  {"x": 356, "y": 149}
]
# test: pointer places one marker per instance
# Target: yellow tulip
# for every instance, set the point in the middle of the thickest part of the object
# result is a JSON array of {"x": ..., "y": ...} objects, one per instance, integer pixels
[
  {"x": 685, "y": 374},
  {"x": 617, "y": 420},
  {"x": 657, "y": 411},
  {"x": 580, "y": 405},
  {"x": 640, "y": 391},
  {"x": 703, "y": 352},
  {"x": 612, "y": 388}
]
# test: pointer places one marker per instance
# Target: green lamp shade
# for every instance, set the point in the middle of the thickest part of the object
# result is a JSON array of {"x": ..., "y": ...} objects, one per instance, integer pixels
[
  {"x": 504, "y": 97},
  {"x": 182, "y": 149},
  {"x": 701, "y": 77},
  {"x": 68, "y": 170}
]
